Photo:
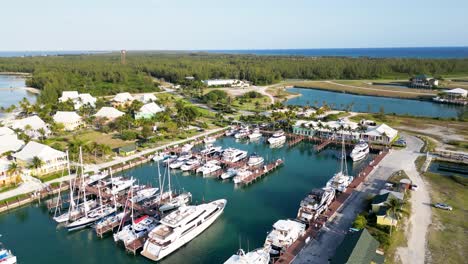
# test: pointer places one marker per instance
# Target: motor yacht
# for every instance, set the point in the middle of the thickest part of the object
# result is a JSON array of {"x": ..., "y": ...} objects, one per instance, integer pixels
[
  {"x": 190, "y": 164},
  {"x": 234, "y": 155},
  {"x": 360, "y": 151},
  {"x": 257, "y": 256},
  {"x": 255, "y": 160},
  {"x": 315, "y": 203},
  {"x": 137, "y": 229},
  {"x": 283, "y": 235},
  {"x": 231, "y": 172},
  {"x": 176, "y": 202},
  {"x": 255, "y": 135},
  {"x": 277, "y": 138}
]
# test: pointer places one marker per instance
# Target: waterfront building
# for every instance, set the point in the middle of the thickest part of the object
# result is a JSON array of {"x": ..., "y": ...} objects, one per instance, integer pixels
[
  {"x": 70, "y": 120},
  {"x": 456, "y": 93},
  {"x": 109, "y": 113},
  {"x": 78, "y": 100},
  {"x": 127, "y": 150},
  {"x": 122, "y": 99},
  {"x": 225, "y": 82},
  {"x": 381, "y": 134},
  {"x": 10, "y": 143},
  {"x": 147, "y": 111},
  {"x": 7, "y": 177},
  {"x": 4, "y": 131},
  {"x": 423, "y": 81},
  {"x": 32, "y": 126},
  {"x": 52, "y": 160},
  {"x": 358, "y": 248},
  {"x": 146, "y": 98}
]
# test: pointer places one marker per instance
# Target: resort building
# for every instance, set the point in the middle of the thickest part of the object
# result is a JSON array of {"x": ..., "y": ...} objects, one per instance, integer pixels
[
  {"x": 146, "y": 98},
  {"x": 109, "y": 113},
  {"x": 78, "y": 100},
  {"x": 4, "y": 131},
  {"x": 32, "y": 126},
  {"x": 68, "y": 95},
  {"x": 122, "y": 99},
  {"x": 5, "y": 176},
  {"x": 456, "y": 93},
  {"x": 358, "y": 248},
  {"x": 70, "y": 120},
  {"x": 52, "y": 160},
  {"x": 381, "y": 134},
  {"x": 10, "y": 143},
  {"x": 225, "y": 82},
  {"x": 147, "y": 111},
  {"x": 423, "y": 81}
]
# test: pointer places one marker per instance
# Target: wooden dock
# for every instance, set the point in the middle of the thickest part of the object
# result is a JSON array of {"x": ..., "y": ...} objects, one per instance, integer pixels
[
  {"x": 295, "y": 140},
  {"x": 135, "y": 245},
  {"x": 322, "y": 145},
  {"x": 259, "y": 173}
]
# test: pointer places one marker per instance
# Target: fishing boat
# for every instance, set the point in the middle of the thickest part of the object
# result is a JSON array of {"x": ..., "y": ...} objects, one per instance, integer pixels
[
  {"x": 231, "y": 172},
  {"x": 283, "y": 235},
  {"x": 360, "y": 151},
  {"x": 255, "y": 134},
  {"x": 341, "y": 180},
  {"x": 137, "y": 229},
  {"x": 315, "y": 203},
  {"x": 255, "y": 160},
  {"x": 190, "y": 164},
  {"x": 180, "y": 227},
  {"x": 234, "y": 155},
  {"x": 209, "y": 140},
  {"x": 176, "y": 202},
  {"x": 210, "y": 149},
  {"x": 6, "y": 257},
  {"x": 242, "y": 174},
  {"x": 257, "y": 256},
  {"x": 277, "y": 138}
]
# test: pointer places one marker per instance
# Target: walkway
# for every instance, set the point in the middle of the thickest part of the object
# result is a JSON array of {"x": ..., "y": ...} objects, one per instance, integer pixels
[{"x": 376, "y": 89}]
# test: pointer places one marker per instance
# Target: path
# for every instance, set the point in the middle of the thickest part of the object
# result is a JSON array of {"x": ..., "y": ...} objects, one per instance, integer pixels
[
  {"x": 375, "y": 89},
  {"x": 323, "y": 248}
]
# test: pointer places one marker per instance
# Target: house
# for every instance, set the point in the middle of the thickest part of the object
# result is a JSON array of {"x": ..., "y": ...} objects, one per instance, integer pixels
[
  {"x": 4, "y": 131},
  {"x": 219, "y": 82},
  {"x": 146, "y": 98},
  {"x": 52, "y": 159},
  {"x": 381, "y": 134},
  {"x": 109, "y": 113},
  {"x": 148, "y": 111},
  {"x": 423, "y": 81},
  {"x": 122, "y": 99},
  {"x": 10, "y": 143},
  {"x": 68, "y": 95},
  {"x": 379, "y": 207},
  {"x": 358, "y": 248},
  {"x": 32, "y": 126},
  {"x": 330, "y": 129},
  {"x": 456, "y": 93},
  {"x": 127, "y": 150},
  {"x": 70, "y": 120},
  {"x": 78, "y": 100},
  {"x": 5, "y": 176}
]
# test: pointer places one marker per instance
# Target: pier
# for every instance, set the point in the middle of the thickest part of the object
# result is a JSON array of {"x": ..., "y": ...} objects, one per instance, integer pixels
[
  {"x": 135, "y": 245},
  {"x": 257, "y": 174},
  {"x": 322, "y": 145}
]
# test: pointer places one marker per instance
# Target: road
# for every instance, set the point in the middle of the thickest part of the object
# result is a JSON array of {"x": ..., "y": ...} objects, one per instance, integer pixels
[
  {"x": 323, "y": 248},
  {"x": 376, "y": 89}
]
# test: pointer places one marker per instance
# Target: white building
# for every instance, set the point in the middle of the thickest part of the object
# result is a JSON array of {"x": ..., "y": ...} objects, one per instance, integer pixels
[
  {"x": 148, "y": 111},
  {"x": 225, "y": 82},
  {"x": 123, "y": 98},
  {"x": 457, "y": 92},
  {"x": 68, "y": 95},
  {"x": 10, "y": 143},
  {"x": 31, "y": 126},
  {"x": 78, "y": 100},
  {"x": 109, "y": 113},
  {"x": 52, "y": 159},
  {"x": 146, "y": 98},
  {"x": 70, "y": 120},
  {"x": 382, "y": 134},
  {"x": 4, "y": 131}
]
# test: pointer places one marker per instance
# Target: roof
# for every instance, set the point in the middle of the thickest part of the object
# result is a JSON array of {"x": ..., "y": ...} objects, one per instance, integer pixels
[
  {"x": 10, "y": 143},
  {"x": 151, "y": 108},
  {"x": 109, "y": 112},
  {"x": 123, "y": 97},
  {"x": 398, "y": 195},
  {"x": 42, "y": 151},
  {"x": 66, "y": 95},
  {"x": 380, "y": 130},
  {"x": 4, "y": 165},
  {"x": 383, "y": 198},
  {"x": 146, "y": 98},
  {"x": 66, "y": 117},
  {"x": 87, "y": 98},
  {"x": 457, "y": 91},
  {"x": 6, "y": 131},
  {"x": 128, "y": 148},
  {"x": 356, "y": 248},
  {"x": 34, "y": 122}
]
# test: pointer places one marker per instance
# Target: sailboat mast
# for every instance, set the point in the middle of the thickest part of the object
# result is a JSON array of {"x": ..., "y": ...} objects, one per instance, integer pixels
[
  {"x": 161, "y": 191},
  {"x": 169, "y": 181},
  {"x": 344, "y": 167},
  {"x": 83, "y": 183},
  {"x": 113, "y": 194}
]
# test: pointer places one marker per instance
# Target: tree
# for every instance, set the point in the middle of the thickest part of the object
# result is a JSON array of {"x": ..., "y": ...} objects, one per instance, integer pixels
[
  {"x": 394, "y": 209},
  {"x": 146, "y": 132},
  {"x": 14, "y": 169},
  {"x": 36, "y": 162},
  {"x": 42, "y": 132},
  {"x": 360, "y": 222}
]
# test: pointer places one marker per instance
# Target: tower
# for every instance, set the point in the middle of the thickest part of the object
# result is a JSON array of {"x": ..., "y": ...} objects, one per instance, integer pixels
[{"x": 122, "y": 56}]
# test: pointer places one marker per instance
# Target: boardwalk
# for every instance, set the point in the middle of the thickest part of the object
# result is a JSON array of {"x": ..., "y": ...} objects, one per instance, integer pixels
[{"x": 257, "y": 174}]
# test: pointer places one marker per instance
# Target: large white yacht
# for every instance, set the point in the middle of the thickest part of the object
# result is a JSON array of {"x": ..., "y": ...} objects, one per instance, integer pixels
[
  {"x": 138, "y": 228},
  {"x": 255, "y": 160},
  {"x": 209, "y": 167},
  {"x": 283, "y": 235},
  {"x": 255, "y": 134},
  {"x": 180, "y": 227},
  {"x": 210, "y": 149},
  {"x": 360, "y": 151},
  {"x": 234, "y": 155},
  {"x": 315, "y": 203},
  {"x": 277, "y": 138},
  {"x": 257, "y": 256}
]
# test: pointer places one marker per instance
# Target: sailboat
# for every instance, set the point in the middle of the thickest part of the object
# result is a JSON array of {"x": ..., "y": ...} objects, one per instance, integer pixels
[
  {"x": 175, "y": 202},
  {"x": 341, "y": 180}
]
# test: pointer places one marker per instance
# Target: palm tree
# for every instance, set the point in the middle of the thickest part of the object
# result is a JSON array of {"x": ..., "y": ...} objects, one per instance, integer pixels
[
  {"x": 14, "y": 169},
  {"x": 394, "y": 209},
  {"x": 42, "y": 132},
  {"x": 36, "y": 162}
]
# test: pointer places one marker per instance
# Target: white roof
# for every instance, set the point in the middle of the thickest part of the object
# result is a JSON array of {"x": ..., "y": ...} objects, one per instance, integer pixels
[
  {"x": 68, "y": 95},
  {"x": 151, "y": 108},
  {"x": 66, "y": 117},
  {"x": 123, "y": 97},
  {"x": 109, "y": 112},
  {"x": 457, "y": 91},
  {"x": 4, "y": 165},
  {"x": 34, "y": 122},
  {"x": 33, "y": 149},
  {"x": 380, "y": 130},
  {"x": 87, "y": 98},
  {"x": 6, "y": 131},
  {"x": 10, "y": 143},
  {"x": 146, "y": 98}
]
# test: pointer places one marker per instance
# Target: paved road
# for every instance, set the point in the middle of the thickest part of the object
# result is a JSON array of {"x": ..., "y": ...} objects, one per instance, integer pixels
[{"x": 321, "y": 250}]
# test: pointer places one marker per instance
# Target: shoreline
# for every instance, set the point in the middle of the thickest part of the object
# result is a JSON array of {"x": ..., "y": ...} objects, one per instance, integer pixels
[{"x": 25, "y": 74}]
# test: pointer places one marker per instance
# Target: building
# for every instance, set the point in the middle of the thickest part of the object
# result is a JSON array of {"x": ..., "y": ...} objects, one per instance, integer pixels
[
  {"x": 109, "y": 113},
  {"x": 330, "y": 129},
  {"x": 4, "y": 131},
  {"x": 32, "y": 126},
  {"x": 456, "y": 93},
  {"x": 68, "y": 95},
  {"x": 219, "y": 82},
  {"x": 147, "y": 111},
  {"x": 381, "y": 134},
  {"x": 10, "y": 143},
  {"x": 78, "y": 100},
  {"x": 122, "y": 99},
  {"x": 70, "y": 120},
  {"x": 5, "y": 176},
  {"x": 379, "y": 207},
  {"x": 423, "y": 81},
  {"x": 146, "y": 98},
  {"x": 127, "y": 150},
  {"x": 52, "y": 159},
  {"x": 358, "y": 248}
]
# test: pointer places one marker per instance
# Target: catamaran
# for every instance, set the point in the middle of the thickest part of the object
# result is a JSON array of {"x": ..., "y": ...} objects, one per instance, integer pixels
[
  {"x": 283, "y": 235},
  {"x": 360, "y": 151},
  {"x": 257, "y": 256},
  {"x": 180, "y": 227},
  {"x": 315, "y": 203},
  {"x": 341, "y": 180},
  {"x": 277, "y": 138}
]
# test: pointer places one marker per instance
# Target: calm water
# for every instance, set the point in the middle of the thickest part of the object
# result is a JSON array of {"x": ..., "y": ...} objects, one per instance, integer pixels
[
  {"x": 47, "y": 53},
  {"x": 12, "y": 96},
  {"x": 373, "y": 103},
  {"x": 434, "y": 167},
  {"x": 250, "y": 212}
]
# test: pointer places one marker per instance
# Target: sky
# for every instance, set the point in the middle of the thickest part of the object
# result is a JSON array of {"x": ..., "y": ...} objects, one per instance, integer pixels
[{"x": 236, "y": 24}]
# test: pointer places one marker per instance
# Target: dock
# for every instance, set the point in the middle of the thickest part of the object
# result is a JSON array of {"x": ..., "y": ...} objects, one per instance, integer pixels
[
  {"x": 322, "y": 145},
  {"x": 135, "y": 245},
  {"x": 295, "y": 140},
  {"x": 257, "y": 174}
]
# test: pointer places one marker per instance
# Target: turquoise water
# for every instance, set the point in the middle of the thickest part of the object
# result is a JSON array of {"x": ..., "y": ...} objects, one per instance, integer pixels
[
  {"x": 373, "y": 103},
  {"x": 250, "y": 212},
  {"x": 8, "y": 96}
]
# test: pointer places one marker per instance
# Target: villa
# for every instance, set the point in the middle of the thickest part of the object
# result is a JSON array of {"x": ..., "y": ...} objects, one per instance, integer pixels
[
  {"x": 122, "y": 99},
  {"x": 109, "y": 113},
  {"x": 78, "y": 100},
  {"x": 148, "y": 111},
  {"x": 10, "y": 143},
  {"x": 70, "y": 120},
  {"x": 32, "y": 126},
  {"x": 52, "y": 159},
  {"x": 147, "y": 98},
  {"x": 423, "y": 81},
  {"x": 5, "y": 176}
]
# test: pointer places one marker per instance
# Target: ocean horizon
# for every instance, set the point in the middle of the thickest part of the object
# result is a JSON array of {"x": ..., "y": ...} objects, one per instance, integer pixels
[{"x": 400, "y": 52}]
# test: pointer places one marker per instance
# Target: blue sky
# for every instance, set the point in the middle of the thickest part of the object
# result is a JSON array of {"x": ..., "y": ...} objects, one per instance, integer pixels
[{"x": 239, "y": 24}]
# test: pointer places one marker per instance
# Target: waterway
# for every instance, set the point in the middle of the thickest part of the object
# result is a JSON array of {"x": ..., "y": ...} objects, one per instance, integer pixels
[
  {"x": 10, "y": 96},
  {"x": 250, "y": 212},
  {"x": 373, "y": 104}
]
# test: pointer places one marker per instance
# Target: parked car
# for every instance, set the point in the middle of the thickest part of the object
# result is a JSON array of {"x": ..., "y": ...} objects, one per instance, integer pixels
[
  {"x": 443, "y": 206},
  {"x": 414, "y": 187}
]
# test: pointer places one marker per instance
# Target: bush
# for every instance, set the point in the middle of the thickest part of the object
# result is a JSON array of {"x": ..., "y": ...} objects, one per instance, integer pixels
[
  {"x": 360, "y": 222},
  {"x": 128, "y": 135}
]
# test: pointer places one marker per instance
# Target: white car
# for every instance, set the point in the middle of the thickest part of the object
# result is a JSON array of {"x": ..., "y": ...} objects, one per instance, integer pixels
[
  {"x": 414, "y": 187},
  {"x": 443, "y": 206}
]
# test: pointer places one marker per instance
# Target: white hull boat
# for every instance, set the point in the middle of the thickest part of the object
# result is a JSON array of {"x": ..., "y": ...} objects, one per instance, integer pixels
[
  {"x": 255, "y": 160},
  {"x": 234, "y": 155},
  {"x": 144, "y": 194},
  {"x": 187, "y": 147},
  {"x": 176, "y": 202},
  {"x": 278, "y": 138},
  {"x": 209, "y": 140},
  {"x": 283, "y": 235},
  {"x": 79, "y": 210},
  {"x": 315, "y": 203},
  {"x": 190, "y": 165},
  {"x": 139, "y": 228},
  {"x": 93, "y": 216},
  {"x": 231, "y": 172},
  {"x": 360, "y": 151},
  {"x": 241, "y": 175},
  {"x": 257, "y": 256}
]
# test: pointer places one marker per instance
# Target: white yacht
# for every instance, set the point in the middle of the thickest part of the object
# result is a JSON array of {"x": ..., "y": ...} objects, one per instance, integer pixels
[
  {"x": 360, "y": 151},
  {"x": 277, "y": 138},
  {"x": 176, "y": 202},
  {"x": 255, "y": 160},
  {"x": 160, "y": 156},
  {"x": 230, "y": 132},
  {"x": 92, "y": 217},
  {"x": 231, "y": 172},
  {"x": 257, "y": 256},
  {"x": 234, "y": 155},
  {"x": 180, "y": 227},
  {"x": 144, "y": 194},
  {"x": 187, "y": 147},
  {"x": 209, "y": 167},
  {"x": 96, "y": 177},
  {"x": 242, "y": 174},
  {"x": 110, "y": 219},
  {"x": 138, "y": 228},
  {"x": 75, "y": 211},
  {"x": 315, "y": 203},
  {"x": 177, "y": 164},
  {"x": 255, "y": 134},
  {"x": 243, "y": 133},
  {"x": 190, "y": 164},
  {"x": 209, "y": 140},
  {"x": 210, "y": 149},
  {"x": 283, "y": 235},
  {"x": 169, "y": 160},
  {"x": 120, "y": 185},
  {"x": 340, "y": 181},
  {"x": 6, "y": 257}
]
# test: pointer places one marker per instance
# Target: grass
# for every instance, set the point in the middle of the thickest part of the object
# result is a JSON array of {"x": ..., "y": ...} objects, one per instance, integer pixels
[
  {"x": 429, "y": 144},
  {"x": 447, "y": 233},
  {"x": 458, "y": 145},
  {"x": 100, "y": 138},
  {"x": 251, "y": 104},
  {"x": 419, "y": 162},
  {"x": 8, "y": 188},
  {"x": 51, "y": 176}
]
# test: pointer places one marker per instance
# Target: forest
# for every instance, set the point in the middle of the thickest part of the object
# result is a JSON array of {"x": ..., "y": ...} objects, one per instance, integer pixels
[{"x": 104, "y": 74}]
